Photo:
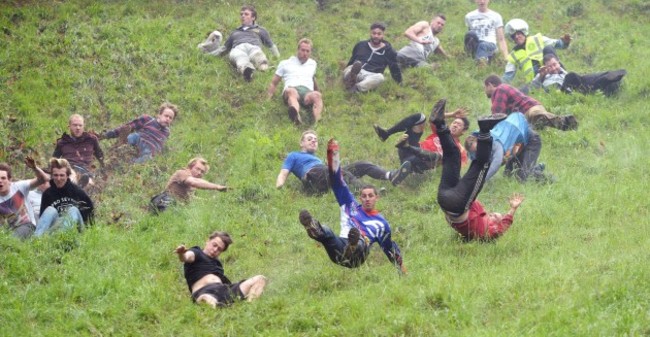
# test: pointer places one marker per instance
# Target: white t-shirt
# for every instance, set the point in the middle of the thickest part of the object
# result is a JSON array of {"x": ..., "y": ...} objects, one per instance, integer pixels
[
  {"x": 484, "y": 24},
  {"x": 295, "y": 74},
  {"x": 15, "y": 210},
  {"x": 34, "y": 197}
]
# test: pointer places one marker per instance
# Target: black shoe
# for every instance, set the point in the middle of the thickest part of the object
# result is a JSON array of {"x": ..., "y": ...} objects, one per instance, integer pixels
[
  {"x": 293, "y": 115},
  {"x": 486, "y": 123},
  {"x": 569, "y": 123},
  {"x": 381, "y": 132},
  {"x": 84, "y": 180},
  {"x": 438, "y": 112},
  {"x": 615, "y": 75},
  {"x": 397, "y": 176},
  {"x": 312, "y": 226},
  {"x": 248, "y": 74},
  {"x": 351, "y": 80},
  {"x": 353, "y": 241}
]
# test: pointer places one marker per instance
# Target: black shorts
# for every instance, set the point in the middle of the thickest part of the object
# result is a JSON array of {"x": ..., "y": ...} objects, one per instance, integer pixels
[{"x": 225, "y": 294}]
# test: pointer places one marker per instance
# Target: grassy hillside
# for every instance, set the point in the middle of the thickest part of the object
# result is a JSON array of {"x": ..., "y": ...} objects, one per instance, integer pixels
[{"x": 573, "y": 264}]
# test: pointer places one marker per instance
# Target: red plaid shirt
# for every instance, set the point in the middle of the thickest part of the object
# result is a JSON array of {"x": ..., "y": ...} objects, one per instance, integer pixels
[{"x": 507, "y": 99}]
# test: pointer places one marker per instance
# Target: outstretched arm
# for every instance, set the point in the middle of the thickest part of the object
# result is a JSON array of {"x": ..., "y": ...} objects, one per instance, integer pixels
[
  {"x": 391, "y": 249},
  {"x": 515, "y": 201},
  {"x": 184, "y": 255},
  {"x": 204, "y": 184}
]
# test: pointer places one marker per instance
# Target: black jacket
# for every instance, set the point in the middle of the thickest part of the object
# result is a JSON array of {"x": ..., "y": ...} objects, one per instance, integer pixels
[
  {"x": 69, "y": 195},
  {"x": 378, "y": 60}
]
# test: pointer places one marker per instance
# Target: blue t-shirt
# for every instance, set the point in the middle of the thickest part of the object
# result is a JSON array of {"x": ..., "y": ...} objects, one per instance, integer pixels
[
  {"x": 511, "y": 131},
  {"x": 299, "y": 163}
]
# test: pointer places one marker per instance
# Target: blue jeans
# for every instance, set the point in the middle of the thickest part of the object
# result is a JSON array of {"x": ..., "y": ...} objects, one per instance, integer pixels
[
  {"x": 485, "y": 50},
  {"x": 50, "y": 220},
  {"x": 145, "y": 152},
  {"x": 335, "y": 247}
]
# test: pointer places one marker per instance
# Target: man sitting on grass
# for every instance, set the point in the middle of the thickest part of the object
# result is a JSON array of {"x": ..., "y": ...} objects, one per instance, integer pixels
[
  {"x": 146, "y": 133},
  {"x": 457, "y": 196},
  {"x": 205, "y": 275},
  {"x": 64, "y": 205},
  {"x": 182, "y": 183},
  {"x": 361, "y": 224}
]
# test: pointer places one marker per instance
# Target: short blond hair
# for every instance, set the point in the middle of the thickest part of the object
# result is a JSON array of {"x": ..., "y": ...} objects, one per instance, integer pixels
[
  {"x": 302, "y": 137},
  {"x": 305, "y": 41},
  {"x": 199, "y": 160},
  {"x": 73, "y": 116}
]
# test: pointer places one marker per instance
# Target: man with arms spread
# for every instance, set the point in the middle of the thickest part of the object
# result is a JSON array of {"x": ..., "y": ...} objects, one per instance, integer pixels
[
  {"x": 457, "y": 196},
  {"x": 64, "y": 204},
  {"x": 147, "y": 133},
  {"x": 365, "y": 70},
  {"x": 245, "y": 42},
  {"x": 182, "y": 183},
  {"x": 14, "y": 209},
  {"x": 205, "y": 275},
  {"x": 300, "y": 88},
  {"x": 361, "y": 224},
  {"x": 423, "y": 42},
  {"x": 507, "y": 99},
  {"x": 485, "y": 30},
  {"x": 78, "y": 148},
  {"x": 313, "y": 173}
]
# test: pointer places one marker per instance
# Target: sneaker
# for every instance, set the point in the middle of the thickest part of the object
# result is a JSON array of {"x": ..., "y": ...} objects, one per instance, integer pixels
[
  {"x": 486, "y": 123},
  {"x": 569, "y": 123},
  {"x": 438, "y": 111},
  {"x": 264, "y": 66},
  {"x": 351, "y": 80},
  {"x": 248, "y": 74},
  {"x": 353, "y": 241},
  {"x": 294, "y": 116},
  {"x": 84, "y": 180},
  {"x": 397, "y": 176},
  {"x": 312, "y": 226},
  {"x": 381, "y": 132}
]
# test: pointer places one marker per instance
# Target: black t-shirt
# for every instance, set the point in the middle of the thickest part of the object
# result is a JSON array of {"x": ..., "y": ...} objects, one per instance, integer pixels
[{"x": 203, "y": 265}]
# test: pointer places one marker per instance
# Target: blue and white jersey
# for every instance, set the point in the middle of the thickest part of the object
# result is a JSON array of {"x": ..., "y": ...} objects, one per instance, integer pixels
[{"x": 373, "y": 226}]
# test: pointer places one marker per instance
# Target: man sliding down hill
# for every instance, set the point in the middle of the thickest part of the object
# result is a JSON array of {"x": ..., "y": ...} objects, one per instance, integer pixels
[
  {"x": 361, "y": 224},
  {"x": 205, "y": 275},
  {"x": 456, "y": 195}
]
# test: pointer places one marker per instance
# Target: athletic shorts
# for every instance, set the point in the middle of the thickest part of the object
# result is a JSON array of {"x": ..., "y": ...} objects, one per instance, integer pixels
[
  {"x": 225, "y": 294},
  {"x": 302, "y": 92}
]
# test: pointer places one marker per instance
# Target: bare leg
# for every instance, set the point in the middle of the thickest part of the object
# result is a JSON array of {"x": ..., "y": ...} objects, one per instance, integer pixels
[
  {"x": 209, "y": 299},
  {"x": 315, "y": 99},
  {"x": 253, "y": 287}
]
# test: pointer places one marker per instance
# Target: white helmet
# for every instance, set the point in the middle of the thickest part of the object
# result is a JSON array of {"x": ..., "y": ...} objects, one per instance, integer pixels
[{"x": 516, "y": 25}]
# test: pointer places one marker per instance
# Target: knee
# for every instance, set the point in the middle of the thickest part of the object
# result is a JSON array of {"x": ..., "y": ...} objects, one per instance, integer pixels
[
  {"x": 208, "y": 299},
  {"x": 290, "y": 93}
]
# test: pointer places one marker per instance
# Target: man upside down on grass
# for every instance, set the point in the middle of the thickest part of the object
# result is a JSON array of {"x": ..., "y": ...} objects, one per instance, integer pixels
[
  {"x": 456, "y": 195},
  {"x": 361, "y": 224}
]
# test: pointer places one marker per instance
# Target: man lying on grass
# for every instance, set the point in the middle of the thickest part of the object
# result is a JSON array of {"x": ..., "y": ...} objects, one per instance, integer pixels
[
  {"x": 361, "y": 224},
  {"x": 205, "y": 275},
  {"x": 456, "y": 195}
]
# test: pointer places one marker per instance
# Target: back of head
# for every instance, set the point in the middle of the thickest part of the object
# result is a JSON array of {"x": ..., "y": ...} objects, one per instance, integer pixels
[
  {"x": 469, "y": 143},
  {"x": 493, "y": 79}
]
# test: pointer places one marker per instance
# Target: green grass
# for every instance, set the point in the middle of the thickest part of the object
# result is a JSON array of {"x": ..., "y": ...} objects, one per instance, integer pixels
[{"x": 571, "y": 265}]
